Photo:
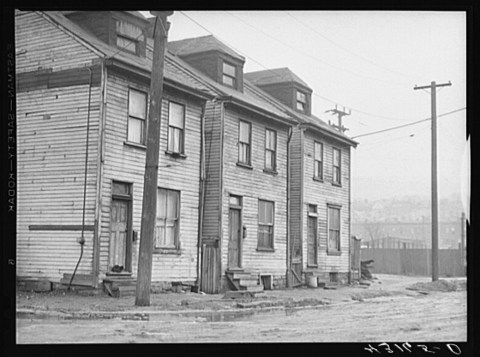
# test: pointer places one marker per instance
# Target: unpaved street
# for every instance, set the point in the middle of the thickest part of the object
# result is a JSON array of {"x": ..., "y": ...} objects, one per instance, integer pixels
[{"x": 436, "y": 317}]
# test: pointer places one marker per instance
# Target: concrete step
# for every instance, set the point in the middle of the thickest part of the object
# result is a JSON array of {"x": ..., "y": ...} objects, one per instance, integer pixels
[
  {"x": 255, "y": 289},
  {"x": 245, "y": 276}
]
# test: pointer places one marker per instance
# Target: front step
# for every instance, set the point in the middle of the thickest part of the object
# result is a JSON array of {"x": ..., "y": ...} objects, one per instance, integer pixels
[
  {"x": 119, "y": 285},
  {"x": 244, "y": 280}
]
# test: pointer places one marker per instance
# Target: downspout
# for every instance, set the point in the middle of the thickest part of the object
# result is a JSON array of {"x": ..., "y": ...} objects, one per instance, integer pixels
[
  {"x": 220, "y": 210},
  {"x": 349, "y": 215},
  {"x": 81, "y": 241},
  {"x": 202, "y": 194},
  {"x": 289, "y": 260}
]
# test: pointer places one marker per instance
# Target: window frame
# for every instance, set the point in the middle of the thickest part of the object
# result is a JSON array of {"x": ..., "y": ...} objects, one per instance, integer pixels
[
  {"x": 336, "y": 168},
  {"x": 144, "y": 125},
  {"x": 337, "y": 250},
  {"x": 272, "y": 169},
  {"x": 182, "y": 130},
  {"x": 316, "y": 161},
  {"x": 176, "y": 246},
  {"x": 228, "y": 75},
  {"x": 135, "y": 40},
  {"x": 249, "y": 144},
  {"x": 302, "y": 101},
  {"x": 261, "y": 225}
]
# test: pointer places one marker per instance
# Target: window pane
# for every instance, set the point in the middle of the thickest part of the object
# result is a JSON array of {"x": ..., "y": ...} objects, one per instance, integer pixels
[
  {"x": 228, "y": 81},
  {"x": 261, "y": 212},
  {"x": 127, "y": 44},
  {"x": 334, "y": 218},
  {"x": 135, "y": 130},
  {"x": 129, "y": 30},
  {"x": 269, "y": 212},
  {"x": 318, "y": 151},
  {"x": 244, "y": 135},
  {"x": 172, "y": 204},
  {"x": 161, "y": 204},
  {"x": 175, "y": 140},
  {"x": 300, "y": 106},
  {"x": 235, "y": 200},
  {"x": 176, "y": 115},
  {"x": 229, "y": 69},
  {"x": 336, "y": 157},
  {"x": 270, "y": 139},
  {"x": 137, "y": 104},
  {"x": 301, "y": 97},
  {"x": 269, "y": 160}
]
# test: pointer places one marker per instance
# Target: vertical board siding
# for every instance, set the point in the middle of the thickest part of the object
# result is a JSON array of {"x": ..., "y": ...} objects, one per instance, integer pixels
[
  {"x": 51, "y": 139},
  {"x": 323, "y": 193},
  {"x": 253, "y": 185},
  {"x": 212, "y": 170},
  {"x": 46, "y": 46},
  {"x": 127, "y": 164}
]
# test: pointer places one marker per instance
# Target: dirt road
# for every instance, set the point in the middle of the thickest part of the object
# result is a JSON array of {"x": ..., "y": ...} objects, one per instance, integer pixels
[{"x": 436, "y": 317}]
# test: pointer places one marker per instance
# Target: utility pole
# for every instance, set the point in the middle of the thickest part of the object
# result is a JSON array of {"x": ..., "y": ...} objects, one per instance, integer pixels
[
  {"x": 462, "y": 241},
  {"x": 433, "y": 94},
  {"x": 340, "y": 115},
  {"x": 150, "y": 183}
]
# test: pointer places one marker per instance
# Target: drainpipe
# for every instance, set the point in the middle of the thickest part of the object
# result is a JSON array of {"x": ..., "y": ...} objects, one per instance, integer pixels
[
  {"x": 81, "y": 240},
  {"x": 287, "y": 281},
  {"x": 202, "y": 194}
]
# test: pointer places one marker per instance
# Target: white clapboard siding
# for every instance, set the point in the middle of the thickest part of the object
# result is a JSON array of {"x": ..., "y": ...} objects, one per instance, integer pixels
[
  {"x": 322, "y": 193},
  {"x": 44, "y": 46},
  {"x": 127, "y": 164},
  {"x": 51, "y": 151},
  {"x": 253, "y": 185}
]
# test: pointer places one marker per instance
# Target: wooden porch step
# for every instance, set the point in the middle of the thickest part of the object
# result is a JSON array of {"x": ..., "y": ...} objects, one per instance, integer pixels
[{"x": 248, "y": 282}]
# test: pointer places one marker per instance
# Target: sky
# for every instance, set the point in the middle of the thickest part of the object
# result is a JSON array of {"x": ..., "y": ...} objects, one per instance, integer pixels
[{"x": 367, "y": 62}]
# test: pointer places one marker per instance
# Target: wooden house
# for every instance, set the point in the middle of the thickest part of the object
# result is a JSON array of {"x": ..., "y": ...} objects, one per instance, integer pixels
[
  {"x": 319, "y": 184},
  {"x": 244, "y": 222},
  {"x": 82, "y": 102}
]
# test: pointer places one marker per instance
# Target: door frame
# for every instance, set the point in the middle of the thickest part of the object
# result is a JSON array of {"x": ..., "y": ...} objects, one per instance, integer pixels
[
  {"x": 129, "y": 200},
  {"x": 236, "y": 207}
]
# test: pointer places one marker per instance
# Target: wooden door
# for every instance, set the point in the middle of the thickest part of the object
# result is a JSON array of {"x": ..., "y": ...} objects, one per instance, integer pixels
[
  {"x": 312, "y": 241},
  {"x": 118, "y": 234},
  {"x": 234, "y": 241}
]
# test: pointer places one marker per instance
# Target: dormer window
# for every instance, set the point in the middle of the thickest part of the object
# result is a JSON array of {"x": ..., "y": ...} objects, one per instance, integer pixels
[
  {"x": 301, "y": 101},
  {"x": 229, "y": 76},
  {"x": 129, "y": 36}
]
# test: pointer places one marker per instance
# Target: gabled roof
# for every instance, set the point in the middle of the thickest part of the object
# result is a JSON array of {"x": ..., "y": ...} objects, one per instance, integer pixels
[
  {"x": 274, "y": 76},
  {"x": 172, "y": 70},
  {"x": 201, "y": 44}
]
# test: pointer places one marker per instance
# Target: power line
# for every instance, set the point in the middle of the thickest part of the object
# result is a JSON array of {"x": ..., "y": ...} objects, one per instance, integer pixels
[
  {"x": 409, "y": 124},
  {"x": 311, "y": 56},
  {"x": 347, "y": 50},
  {"x": 275, "y": 74}
]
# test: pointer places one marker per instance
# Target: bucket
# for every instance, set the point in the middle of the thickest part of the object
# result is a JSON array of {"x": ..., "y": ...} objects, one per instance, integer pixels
[{"x": 312, "y": 281}]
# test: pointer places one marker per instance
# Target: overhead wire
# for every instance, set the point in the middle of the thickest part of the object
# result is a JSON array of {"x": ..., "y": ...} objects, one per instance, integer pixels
[{"x": 275, "y": 74}]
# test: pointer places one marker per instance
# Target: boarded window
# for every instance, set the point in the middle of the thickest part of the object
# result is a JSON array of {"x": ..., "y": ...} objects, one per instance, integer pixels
[
  {"x": 176, "y": 127},
  {"x": 270, "y": 150},
  {"x": 318, "y": 161},
  {"x": 301, "y": 101},
  {"x": 265, "y": 224},
  {"x": 137, "y": 113},
  {"x": 244, "y": 136},
  {"x": 229, "y": 75},
  {"x": 336, "y": 166},
  {"x": 168, "y": 219},
  {"x": 333, "y": 228}
]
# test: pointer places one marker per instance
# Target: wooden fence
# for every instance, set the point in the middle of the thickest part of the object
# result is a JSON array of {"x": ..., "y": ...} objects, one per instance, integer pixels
[{"x": 413, "y": 261}]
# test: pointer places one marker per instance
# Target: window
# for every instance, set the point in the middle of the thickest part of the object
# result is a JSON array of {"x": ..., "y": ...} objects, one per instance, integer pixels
[
  {"x": 318, "y": 161},
  {"x": 176, "y": 127},
  {"x": 301, "y": 101},
  {"x": 128, "y": 36},
  {"x": 137, "y": 114},
  {"x": 333, "y": 229},
  {"x": 270, "y": 150},
  {"x": 168, "y": 217},
  {"x": 244, "y": 137},
  {"x": 265, "y": 224},
  {"x": 336, "y": 166},
  {"x": 229, "y": 75}
]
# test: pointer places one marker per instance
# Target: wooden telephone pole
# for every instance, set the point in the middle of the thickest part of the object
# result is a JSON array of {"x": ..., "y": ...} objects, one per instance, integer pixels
[
  {"x": 433, "y": 93},
  {"x": 150, "y": 183},
  {"x": 340, "y": 114}
]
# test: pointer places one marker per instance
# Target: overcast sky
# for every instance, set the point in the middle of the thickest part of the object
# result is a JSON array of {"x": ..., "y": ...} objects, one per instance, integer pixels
[{"x": 368, "y": 62}]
